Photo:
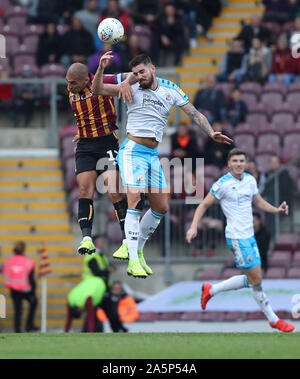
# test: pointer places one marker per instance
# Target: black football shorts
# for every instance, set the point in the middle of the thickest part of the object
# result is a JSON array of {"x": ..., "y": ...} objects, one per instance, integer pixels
[{"x": 98, "y": 153}]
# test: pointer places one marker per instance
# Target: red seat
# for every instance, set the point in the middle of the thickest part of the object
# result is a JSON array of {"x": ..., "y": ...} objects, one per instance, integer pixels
[
  {"x": 227, "y": 88},
  {"x": 12, "y": 44},
  {"x": 212, "y": 171},
  {"x": 294, "y": 87},
  {"x": 296, "y": 258},
  {"x": 249, "y": 98},
  {"x": 10, "y": 30},
  {"x": 268, "y": 143},
  {"x": 287, "y": 242},
  {"x": 283, "y": 118},
  {"x": 291, "y": 128},
  {"x": 20, "y": 69},
  {"x": 275, "y": 273},
  {"x": 257, "y": 119},
  {"x": 293, "y": 100},
  {"x": 53, "y": 70},
  {"x": 4, "y": 65},
  {"x": 67, "y": 130},
  {"x": 280, "y": 259},
  {"x": 244, "y": 128},
  {"x": 17, "y": 10},
  {"x": 252, "y": 87},
  {"x": 235, "y": 316},
  {"x": 291, "y": 146},
  {"x": 263, "y": 162},
  {"x": 293, "y": 273},
  {"x": 271, "y": 128},
  {"x": 274, "y": 99},
  {"x": 275, "y": 87},
  {"x": 33, "y": 30},
  {"x": 19, "y": 21},
  {"x": 246, "y": 142},
  {"x": 21, "y": 60},
  {"x": 31, "y": 42}
]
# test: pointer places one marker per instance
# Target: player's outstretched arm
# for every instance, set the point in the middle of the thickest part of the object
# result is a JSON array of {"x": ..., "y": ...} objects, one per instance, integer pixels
[
  {"x": 202, "y": 121},
  {"x": 262, "y": 204},
  {"x": 200, "y": 211},
  {"x": 98, "y": 86}
]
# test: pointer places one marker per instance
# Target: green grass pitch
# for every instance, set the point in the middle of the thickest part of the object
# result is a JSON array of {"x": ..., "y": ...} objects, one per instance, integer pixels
[{"x": 151, "y": 345}]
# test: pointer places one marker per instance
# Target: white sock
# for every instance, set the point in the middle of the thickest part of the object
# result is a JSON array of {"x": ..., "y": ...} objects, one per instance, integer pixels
[
  {"x": 148, "y": 225},
  {"x": 263, "y": 302},
  {"x": 233, "y": 283},
  {"x": 132, "y": 231}
]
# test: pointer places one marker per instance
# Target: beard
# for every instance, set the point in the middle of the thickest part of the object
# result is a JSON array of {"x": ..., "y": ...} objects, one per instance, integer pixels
[{"x": 145, "y": 84}]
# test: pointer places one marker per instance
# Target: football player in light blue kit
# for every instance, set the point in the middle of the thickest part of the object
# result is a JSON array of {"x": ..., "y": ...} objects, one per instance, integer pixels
[
  {"x": 236, "y": 191},
  {"x": 148, "y": 113}
]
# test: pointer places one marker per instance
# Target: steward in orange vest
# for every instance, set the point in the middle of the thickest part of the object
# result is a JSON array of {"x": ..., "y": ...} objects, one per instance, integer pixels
[{"x": 18, "y": 273}]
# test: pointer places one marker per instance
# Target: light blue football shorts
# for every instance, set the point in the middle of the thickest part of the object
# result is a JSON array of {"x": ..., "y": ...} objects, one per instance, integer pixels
[
  {"x": 140, "y": 166},
  {"x": 245, "y": 251}
]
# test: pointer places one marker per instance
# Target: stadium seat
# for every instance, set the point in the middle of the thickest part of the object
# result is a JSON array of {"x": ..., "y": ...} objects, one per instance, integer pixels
[
  {"x": 257, "y": 119},
  {"x": 209, "y": 274},
  {"x": 252, "y": 87},
  {"x": 19, "y": 21},
  {"x": 147, "y": 316},
  {"x": 212, "y": 316},
  {"x": 4, "y": 65},
  {"x": 263, "y": 162},
  {"x": 67, "y": 130},
  {"x": 235, "y": 316},
  {"x": 228, "y": 128},
  {"x": 26, "y": 49},
  {"x": 288, "y": 26},
  {"x": 274, "y": 99},
  {"x": 229, "y": 272},
  {"x": 286, "y": 108},
  {"x": 294, "y": 87},
  {"x": 246, "y": 142},
  {"x": 268, "y": 143},
  {"x": 294, "y": 173},
  {"x": 275, "y": 87},
  {"x": 275, "y": 273},
  {"x": 62, "y": 29},
  {"x": 53, "y": 70},
  {"x": 169, "y": 316},
  {"x": 287, "y": 242},
  {"x": 255, "y": 315},
  {"x": 271, "y": 128},
  {"x": 70, "y": 176},
  {"x": 17, "y": 10},
  {"x": 293, "y": 100},
  {"x": 5, "y": 4},
  {"x": 191, "y": 316},
  {"x": 244, "y": 128},
  {"x": 31, "y": 41},
  {"x": 293, "y": 273},
  {"x": 12, "y": 45},
  {"x": 261, "y": 108},
  {"x": 280, "y": 259},
  {"x": 21, "y": 60},
  {"x": 283, "y": 118},
  {"x": 33, "y": 30},
  {"x": 10, "y": 30},
  {"x": 19, "y": 70},
  {"x": 296, "y": 258},
  {"x": 227, "y": 88},
  {"x": 212, "y": 171},
  {"x": 249, "y": 98},
  {"x": 291, "y": 128},
  {"x": 291, "y": 146}
]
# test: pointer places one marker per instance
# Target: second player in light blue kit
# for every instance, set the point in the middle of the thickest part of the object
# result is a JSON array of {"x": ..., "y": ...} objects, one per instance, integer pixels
[
  {"x": 236, "y": 191},
  {"x": 140, "y": 168}
]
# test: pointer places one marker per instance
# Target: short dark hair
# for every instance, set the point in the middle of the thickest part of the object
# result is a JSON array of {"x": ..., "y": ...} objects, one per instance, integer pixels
[
  {"x": 140, "y": 59},
  {"x": 236, "y": 151}
]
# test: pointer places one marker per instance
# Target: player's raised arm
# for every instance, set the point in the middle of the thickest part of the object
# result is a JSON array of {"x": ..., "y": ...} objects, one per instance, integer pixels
[
  {"x": 201, "y": 209},
  {"x": 103, "y": 89},
  {"x": 202, "y": 121},
  {"x": 262, "y": 204}
]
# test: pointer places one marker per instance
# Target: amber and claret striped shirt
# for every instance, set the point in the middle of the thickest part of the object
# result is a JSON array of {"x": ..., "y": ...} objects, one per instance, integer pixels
[{"x": 95, "y": 114}]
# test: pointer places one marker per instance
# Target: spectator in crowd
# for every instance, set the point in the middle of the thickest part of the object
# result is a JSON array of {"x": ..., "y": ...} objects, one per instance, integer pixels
[
  {"x": 78, "y": 44},
  {"x": 26, "y": 98},
  {"x": 259, "y": 62},
  {"x": 211, "y": 100},
  {"x": 259, "y": 176},
  {"x": 284, "y": 66},
  {"x": 215, "y": 153},
  {"x": 254, "y": 30},
  {"x": 66, "y": 9},
  {"x": 85, "y": 297},
  {"x": 234, "y": 64},
  {"x": 115, "y": 11},
  {"x": 7, "y": 96},
  {"x": 43, "y": 12},
  {"x": 184, "y": 144},
  {"x": 292, "y": 36},
  {"x": 280, "y": 11},
  {"x": 129, "y": 50},
  {"x": 187, "y": 10},
  {"x": 119, "y": 306},
  {"x": 237, "y": 109},
  {"x": 114, "y": 67},
  {"x": 263, "y": 238},
  {"x": 149, "y": 12},
  {"x": 206, "y": 10},
  {"x": 171, "y": 31},
  {"x": 97, "y": 264},
  {"x": 18, "y": 273},
  {"x": 89, "y": 16},
  {"x": 49, "y": 48}
]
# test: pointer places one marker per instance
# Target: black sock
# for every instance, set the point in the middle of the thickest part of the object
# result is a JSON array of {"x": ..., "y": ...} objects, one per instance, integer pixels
[
  {"x": 120, "y": 211},
  {"x": 85, "y": 216}
]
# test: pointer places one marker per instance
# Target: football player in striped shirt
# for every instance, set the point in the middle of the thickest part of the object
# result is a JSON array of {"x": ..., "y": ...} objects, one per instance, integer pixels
[{"x": 96, "y": 139}]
